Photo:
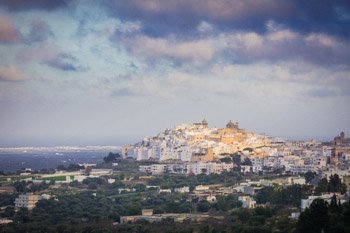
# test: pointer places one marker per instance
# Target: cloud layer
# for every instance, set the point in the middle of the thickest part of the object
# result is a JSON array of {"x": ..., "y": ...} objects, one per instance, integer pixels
[
  {"x": 183, "y": 16},
  {"x": 16, "y": 5},
  {"x": 164, "y": 62}
]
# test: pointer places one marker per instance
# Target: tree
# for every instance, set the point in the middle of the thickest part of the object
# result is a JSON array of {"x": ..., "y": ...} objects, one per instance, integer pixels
[
  {"x": 76, "y": 184},
  {"x": 203, "y": 206},
  {"x": 334, "y": 206},
  {"x": 92, "y": 185},
  {"x": 20, "y": 186},
  {"x": 226, "y": 160},
  {"x": 134, "y": 209},
  {"x": 292, "y": 195},
  {"x": 7, "y": 199},
  {"x": 61, "y": 167},
  {"x": 247, "y": 161},
  {"x": 335, "y": 184},
  {"x": 309, "y": 176},
  {"x": 314, "y": 219},
  {"x": 22, "y": 215},
  {"x": 111, "y": 157},
  {"x": 263, "y": 211},
  {"x": 74, "y": 167},
  {"x": 346, "y": 215},
  {"x": 343, "y": 188},
  {"x": 266, "y": 194},
  {"x": 228, "y": 202},
  {"x": 322, "y": 186},
  {"x": 237, "y": 159},
  {"x": 9, "y": 212},
  {"x": 140, "y": 187}
]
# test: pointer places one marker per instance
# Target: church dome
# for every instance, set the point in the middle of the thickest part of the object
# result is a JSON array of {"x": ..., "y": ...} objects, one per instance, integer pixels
[
  {"x": 231, "y": 125},
  {"x": 204, "y": 122}
]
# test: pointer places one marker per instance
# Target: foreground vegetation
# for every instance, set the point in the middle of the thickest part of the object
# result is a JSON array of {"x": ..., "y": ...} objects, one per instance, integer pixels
[
  {"x": 87, "y": 212},
  {"x": 95, "y": 205}
]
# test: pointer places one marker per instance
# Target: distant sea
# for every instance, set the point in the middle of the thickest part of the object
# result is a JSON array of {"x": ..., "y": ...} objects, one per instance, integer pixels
[{"x": 12, "y": 162}]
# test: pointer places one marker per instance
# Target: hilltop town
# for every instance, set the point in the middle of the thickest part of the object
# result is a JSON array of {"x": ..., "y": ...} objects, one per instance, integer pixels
[
  {"x": 195, "y": 142},
  {"x": 189, "y": 178},
  {"x": 196, "y": 148}
]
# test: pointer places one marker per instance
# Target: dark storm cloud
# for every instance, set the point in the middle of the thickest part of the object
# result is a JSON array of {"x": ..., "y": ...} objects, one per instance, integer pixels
[
  {"x": 321, "y": 16},
  {"x": 160, "y": 18},
  {"x": 242, "y": 48},
  {"x": 18, "y": 5},
  {"x": 163, "y": 17},
  {"x": 65, "y": 62},
  {"x": 319, "y": 49}
]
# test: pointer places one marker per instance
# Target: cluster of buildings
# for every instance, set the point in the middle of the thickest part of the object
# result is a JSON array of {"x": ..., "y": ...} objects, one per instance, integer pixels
[
  {"x": 199, "y": 149},
  {"x": 196, "y": 149},
  {"x": 149, "y": 216},
  {"x": 29, "y": 200},
  {"x": 194, "y": 143},
  {"x": 67, "y": 177},
  {"x": 291, "y": 157},
  {"x": 195, "y": 168},
  {"x": 305, "y": 203},
  {"x": 244, "y": 191}
]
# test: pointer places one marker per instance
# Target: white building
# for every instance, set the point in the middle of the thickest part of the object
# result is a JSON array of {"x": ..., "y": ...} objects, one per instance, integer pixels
[
  {"x": 100, "y": 172},
  {"x": 153, "y": 169},
  {"x": 247, "y": 202},
  {"x": 4, "y": 221},
  {"x": 111, "y": 181},
  {"x": 201, "y": 188},
  {"x": 164, "y": 191},
  {"x": 305, "y": 203},
  {"x": 246, "y": 168},
  {"x": 26, "y": 200},
  {"x": 341, "y": 173},
  {"x": 184, "y": 189}
]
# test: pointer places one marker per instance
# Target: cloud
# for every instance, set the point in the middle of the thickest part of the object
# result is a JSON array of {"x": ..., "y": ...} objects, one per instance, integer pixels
[
  {"x": 290, "y": 79},
  {"x": 43, "y": 52},
  {"x": 39, "y": 32},
  {"x": 19, "y": 5},
  {"x": 281, "y": 63},
  {"x": 8, "y": 33},
  {"x": 65, "y": 62},
  {"x": 197, "y": 50},
  {"x": 224, "y": 70},
  {"x": 285, "y": 45},
  {"x": 11, "y": 73},
  {"x": 278, "y": 44},
  {"x": 52, "y": 56},
  {"x": 182, "y": 16},
  {"x": 162, "y": 17}
]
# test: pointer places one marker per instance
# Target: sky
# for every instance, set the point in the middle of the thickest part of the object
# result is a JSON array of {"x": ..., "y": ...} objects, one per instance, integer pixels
[{"x": 91, "y": 72}]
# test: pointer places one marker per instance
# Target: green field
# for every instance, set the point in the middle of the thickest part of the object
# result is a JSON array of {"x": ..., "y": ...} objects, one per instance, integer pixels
[
  {"x": 55, "y": 178},
  {"x": 13, "y": 178}
]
